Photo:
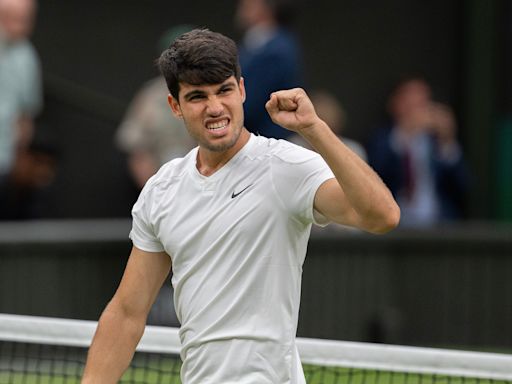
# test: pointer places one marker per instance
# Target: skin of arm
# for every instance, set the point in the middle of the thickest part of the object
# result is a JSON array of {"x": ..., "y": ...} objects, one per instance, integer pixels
[
  {"x": 122, "y": 323},
  {"x": 25, "y": 130},
  {"x": 357, "y": 196}
]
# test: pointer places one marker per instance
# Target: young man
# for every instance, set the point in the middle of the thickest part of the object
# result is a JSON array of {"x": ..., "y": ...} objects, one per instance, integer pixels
[{"x": 234, "y": 217}]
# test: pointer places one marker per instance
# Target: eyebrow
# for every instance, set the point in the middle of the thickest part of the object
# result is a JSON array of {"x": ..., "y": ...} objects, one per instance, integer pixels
[
  {"x": 194, "y": 92},
  {"x": 228, "y": 83},
  {"x": 198, "y": 92}
]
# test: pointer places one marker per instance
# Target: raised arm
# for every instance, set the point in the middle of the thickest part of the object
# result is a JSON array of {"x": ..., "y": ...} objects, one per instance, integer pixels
[
  {"x": 122, "y": 323},
  {"x": 357, "y": 197}
]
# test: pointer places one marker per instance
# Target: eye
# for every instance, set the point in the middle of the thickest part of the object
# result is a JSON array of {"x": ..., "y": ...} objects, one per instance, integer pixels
[
  {"x": 195, "y": 97},
  {"x": 224, "y": 90}
]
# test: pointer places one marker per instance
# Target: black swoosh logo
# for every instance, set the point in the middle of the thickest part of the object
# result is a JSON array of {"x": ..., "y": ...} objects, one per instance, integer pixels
[{"x": 233, "y": 195}]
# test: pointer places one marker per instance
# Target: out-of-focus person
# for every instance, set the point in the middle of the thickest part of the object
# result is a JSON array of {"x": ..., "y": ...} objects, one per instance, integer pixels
[
  {"x": 330, "y": 110},
  {"x": 24, "y": 191},
  {"x": 150, "y": 134},
  {"x": 270, "y": 57},
  {"x": 20, "y": 79},
  {"x": 419, "y": 158}
]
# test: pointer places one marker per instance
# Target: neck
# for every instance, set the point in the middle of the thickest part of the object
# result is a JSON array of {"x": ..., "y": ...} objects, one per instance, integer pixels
[{"x": 208, "y": 162}]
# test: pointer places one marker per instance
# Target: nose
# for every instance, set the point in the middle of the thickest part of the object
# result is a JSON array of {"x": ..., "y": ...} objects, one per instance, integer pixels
[{"x": 214, "y": 107}]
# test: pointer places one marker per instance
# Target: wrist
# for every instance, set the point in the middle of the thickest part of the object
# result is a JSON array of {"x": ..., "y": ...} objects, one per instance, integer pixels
[{"x": 313, "y": 130}]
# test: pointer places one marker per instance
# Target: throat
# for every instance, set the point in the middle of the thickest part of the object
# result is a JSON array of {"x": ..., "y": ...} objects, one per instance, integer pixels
[
  {"x": 208, "y": 165},
  {"x": 207, "y": 171},
  {"x": 210, "y": 161}
]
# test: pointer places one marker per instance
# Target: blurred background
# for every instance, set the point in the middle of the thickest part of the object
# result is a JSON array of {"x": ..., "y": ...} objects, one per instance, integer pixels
[
  {"x": 441, "y": 285},
  {"x": 96, "y": 56}
]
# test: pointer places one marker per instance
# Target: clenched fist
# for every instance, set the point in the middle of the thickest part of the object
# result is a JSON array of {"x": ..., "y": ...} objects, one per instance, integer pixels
[{"x": 292, "y": 109}]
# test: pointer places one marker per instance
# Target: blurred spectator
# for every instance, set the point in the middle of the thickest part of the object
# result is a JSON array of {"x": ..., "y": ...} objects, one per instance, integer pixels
[
  {"x": 20, "y": 79},
  {"x": 418, "y": 156},
  {"x": 270, "y": 58},
  {"x": 23, "y": 190},
  {"x": 330, "y": 110},
  {"x": 150, "y": 134}
]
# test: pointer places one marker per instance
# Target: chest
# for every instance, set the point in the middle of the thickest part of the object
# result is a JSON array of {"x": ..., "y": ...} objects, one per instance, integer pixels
[{"x": 215, "y": 216}]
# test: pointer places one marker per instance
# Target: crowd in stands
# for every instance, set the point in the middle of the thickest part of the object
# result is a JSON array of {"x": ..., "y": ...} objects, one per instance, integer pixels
[{"x": 416, "y": 152}]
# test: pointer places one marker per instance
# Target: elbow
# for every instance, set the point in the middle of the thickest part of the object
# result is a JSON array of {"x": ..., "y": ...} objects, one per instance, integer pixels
[{"x": 388, "y": 221}]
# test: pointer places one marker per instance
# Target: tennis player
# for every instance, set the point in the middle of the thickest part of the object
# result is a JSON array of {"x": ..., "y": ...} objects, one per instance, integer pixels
[{"x": 233, "y": 217}]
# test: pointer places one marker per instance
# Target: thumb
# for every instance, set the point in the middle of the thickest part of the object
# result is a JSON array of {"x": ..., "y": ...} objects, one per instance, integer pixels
[{"x": 272, "y": 104}]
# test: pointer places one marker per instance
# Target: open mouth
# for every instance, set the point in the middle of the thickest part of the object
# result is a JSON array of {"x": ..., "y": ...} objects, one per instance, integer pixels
[{"x": 217, "y": 125}]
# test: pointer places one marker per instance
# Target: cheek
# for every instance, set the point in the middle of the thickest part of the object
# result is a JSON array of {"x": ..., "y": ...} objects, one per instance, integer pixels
[
  {"x": 240, "y": 111},
  {"x": 193, "y": 122},
  {"x": 190, "y": 114}
]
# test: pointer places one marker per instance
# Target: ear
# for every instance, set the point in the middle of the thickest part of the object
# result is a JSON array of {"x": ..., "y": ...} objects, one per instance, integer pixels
[
  {"x": 175, "y": 106},
  {"x": 241, "y": 85}
]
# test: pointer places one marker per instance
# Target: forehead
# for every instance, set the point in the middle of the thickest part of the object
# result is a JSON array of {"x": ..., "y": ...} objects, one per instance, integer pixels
[{"x": 17, "y": 8}]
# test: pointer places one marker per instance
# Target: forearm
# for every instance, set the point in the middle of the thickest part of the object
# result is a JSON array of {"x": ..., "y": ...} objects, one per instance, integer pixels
[
  {"x": 359, "y": 198},
  {"x": 113, "y": 346},
  {"x": 363, "y": 188}
]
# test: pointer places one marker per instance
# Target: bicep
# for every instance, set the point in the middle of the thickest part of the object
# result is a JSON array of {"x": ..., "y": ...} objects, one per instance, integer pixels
[
  {"x": 143, "y": 277},
  {"x": 331, "y": 201}
]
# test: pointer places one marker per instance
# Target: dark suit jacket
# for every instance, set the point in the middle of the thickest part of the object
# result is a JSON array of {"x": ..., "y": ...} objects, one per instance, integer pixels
[
  {"x": 451, "y": 178},
  {"x": 274, "y": 66}
]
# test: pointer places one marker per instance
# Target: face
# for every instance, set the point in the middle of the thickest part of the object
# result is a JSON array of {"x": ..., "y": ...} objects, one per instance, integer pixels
[
  {"x": 16, "y": 18},
  {"x": 251, "y": 12},
  {"x": 213, "y": 114},
  {"x": 411, "y": 104}
]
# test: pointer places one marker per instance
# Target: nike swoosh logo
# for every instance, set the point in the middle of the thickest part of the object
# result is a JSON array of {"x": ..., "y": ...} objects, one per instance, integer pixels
[{"x": 233, "y": 195}]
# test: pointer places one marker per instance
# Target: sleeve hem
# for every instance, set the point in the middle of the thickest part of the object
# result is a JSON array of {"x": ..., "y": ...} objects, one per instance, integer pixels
[{"x": 147, "y": 246}]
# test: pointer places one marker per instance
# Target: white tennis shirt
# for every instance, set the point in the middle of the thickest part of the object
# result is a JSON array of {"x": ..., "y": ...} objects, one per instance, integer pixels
[{"x": 237, "y": 240}]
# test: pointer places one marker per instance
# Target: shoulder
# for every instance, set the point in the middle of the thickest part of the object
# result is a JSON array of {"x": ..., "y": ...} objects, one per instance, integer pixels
[
  {"x": 156, "y": 85},
  {"x": 285, "y": 47},
  {"x": 284, "y": 38},
  {"x": 281, "y": 150},
  {"x": 25, "y": 51},
  {"x": 169, "y": 173},
  {"x": 153, "y": 89},
  {"x": 23, "y": 56}
]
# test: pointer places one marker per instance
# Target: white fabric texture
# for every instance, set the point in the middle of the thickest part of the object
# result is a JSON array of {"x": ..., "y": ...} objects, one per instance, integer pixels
[{"x": 237, "y": 240}]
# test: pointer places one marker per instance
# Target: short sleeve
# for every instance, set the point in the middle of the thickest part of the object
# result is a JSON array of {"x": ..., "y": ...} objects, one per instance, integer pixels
[
  {"x": 297, "y": 174},
  {"x": 142, "y": 233}
]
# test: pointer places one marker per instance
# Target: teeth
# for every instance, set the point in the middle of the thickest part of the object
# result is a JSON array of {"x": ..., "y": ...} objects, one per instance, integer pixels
[{"x": 217, "y": 125}]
